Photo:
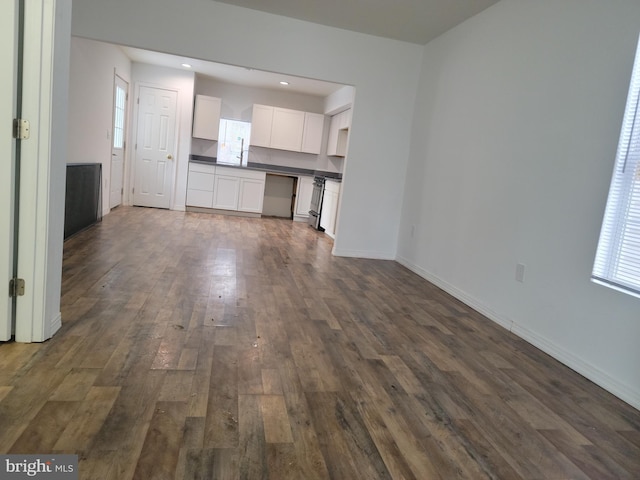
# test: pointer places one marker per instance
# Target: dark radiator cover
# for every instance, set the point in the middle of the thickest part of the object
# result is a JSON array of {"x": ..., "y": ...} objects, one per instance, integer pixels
[{"x": 83, "y": 197}]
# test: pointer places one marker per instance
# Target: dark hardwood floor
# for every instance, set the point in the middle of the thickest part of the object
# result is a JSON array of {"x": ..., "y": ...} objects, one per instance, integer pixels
[{"x": 197, "y": 346}]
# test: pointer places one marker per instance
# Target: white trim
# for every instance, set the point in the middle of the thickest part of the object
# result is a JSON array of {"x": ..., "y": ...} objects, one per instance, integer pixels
[
  {"x": 134, "y": 131},
  {"x": 338, "y": 252},
  {"x": 587, "y": 370},
  {"x": 47, "y": 27},
  {"x": 54, "y": 326},
  {"x": 35, "y": 169},
  {"x": 9, "y": 45}
]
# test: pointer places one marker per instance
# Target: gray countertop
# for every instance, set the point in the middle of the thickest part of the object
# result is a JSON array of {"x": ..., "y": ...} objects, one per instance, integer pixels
[{"x": 267, "y": 168}]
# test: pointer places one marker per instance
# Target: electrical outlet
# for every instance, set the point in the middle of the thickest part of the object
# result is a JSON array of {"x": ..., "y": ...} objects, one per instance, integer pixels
[{"x": 520, "y": 272}]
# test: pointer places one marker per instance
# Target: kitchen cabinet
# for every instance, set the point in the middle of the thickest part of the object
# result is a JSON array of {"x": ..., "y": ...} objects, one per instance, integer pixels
[
  {"x": 200, "y": 185},
  {"x": 225, "y": 188},
  {"x": 251, "y": 195},
  {"x": 206, "y": 117},
  {"x": 312, "y": 133},
  {"x": 238, "y": 189},
  {"x": 261, "y": 123},
  {"x": 226, "y": 191},
  {"x": 329, "y": 214},
  {"x": 286, "y": 129},
  {"x": 303, "y": 197},
  {"x": 339, "y": 134}
]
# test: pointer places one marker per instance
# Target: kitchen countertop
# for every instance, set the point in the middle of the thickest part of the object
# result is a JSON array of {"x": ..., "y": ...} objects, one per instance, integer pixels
[{"x": 268, "y": 168}]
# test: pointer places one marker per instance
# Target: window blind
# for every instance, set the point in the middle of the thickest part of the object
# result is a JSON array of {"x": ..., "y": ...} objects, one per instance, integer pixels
[{"x": 617, "y": 262}]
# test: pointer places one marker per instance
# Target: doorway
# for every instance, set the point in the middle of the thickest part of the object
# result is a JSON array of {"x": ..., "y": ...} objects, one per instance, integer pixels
[
  {"x": 118, "y": 144},
  {"x": 154, "y": 167}
]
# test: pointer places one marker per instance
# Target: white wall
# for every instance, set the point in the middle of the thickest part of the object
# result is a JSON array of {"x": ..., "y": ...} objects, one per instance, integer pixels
[
  {"x": 514, "y": 138},
  {"x": 93, "y": 65},
  {"x": 384, "y": 72},
  {"x": 339, "y": 100},
  {"x": 182, "y": 82}
]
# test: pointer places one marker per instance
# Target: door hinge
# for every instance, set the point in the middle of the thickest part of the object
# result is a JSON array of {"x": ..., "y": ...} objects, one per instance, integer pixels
[
  {"x": 20, "y": 129},
  {"x": 16, "y": 287}
]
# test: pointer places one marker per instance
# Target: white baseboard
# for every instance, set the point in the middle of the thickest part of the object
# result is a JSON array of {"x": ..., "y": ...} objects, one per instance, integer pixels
[
  {"x": 597, "y": 376},
  {"x": 54, "y": 326},
  {"x": 339, "y": 252}
]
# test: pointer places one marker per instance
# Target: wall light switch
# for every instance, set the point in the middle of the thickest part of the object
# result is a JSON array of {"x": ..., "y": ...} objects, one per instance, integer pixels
[{"x": 520, "y": 272}]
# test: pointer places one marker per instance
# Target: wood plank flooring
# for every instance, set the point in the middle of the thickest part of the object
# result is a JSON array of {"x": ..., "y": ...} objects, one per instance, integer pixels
[{"x": 204, "y": 346}]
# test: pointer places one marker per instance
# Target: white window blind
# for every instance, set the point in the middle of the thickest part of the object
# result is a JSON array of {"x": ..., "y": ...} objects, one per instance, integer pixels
[{"x": 617, "y": 261}]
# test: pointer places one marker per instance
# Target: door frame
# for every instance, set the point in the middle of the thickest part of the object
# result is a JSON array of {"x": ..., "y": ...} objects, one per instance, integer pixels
[
  {"x": 46, "y": 57},
  {"x": 131, "y": 171},
  {"x": 10, "y": 31},
  {"x": 125, "y": 133}
]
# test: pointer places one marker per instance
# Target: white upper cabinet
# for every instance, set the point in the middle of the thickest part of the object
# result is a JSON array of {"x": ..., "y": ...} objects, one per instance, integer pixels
[
  {"x": 286, "y": 129},
  {"x": 339, "y": 134},
  {"x": 261, "y": 123},
  {"x": 206, "y": 117},
  {"x": 312, "y": 134}
]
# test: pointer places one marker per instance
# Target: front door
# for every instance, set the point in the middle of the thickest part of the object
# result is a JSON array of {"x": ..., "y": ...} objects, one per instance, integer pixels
[
  {"x": 118, "y": 140},
  {"x": 8, "y": 106},
  {"x": 155, "y": 143}
]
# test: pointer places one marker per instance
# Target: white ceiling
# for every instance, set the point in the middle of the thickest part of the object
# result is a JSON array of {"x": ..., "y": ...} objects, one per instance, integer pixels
[{"x": 414, "y": 21}]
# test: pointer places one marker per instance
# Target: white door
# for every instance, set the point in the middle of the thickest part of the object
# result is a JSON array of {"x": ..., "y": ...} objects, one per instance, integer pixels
[
  {"x": 120, "y": 96},
  {"x": 155, "y": 143},
  {"x": 8, "y": 82}
]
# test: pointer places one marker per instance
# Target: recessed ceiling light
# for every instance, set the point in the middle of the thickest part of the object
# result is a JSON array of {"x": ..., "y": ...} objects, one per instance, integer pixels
[
  {"x": 186, "y": 65},
  {"x": 284, "y": 83}
]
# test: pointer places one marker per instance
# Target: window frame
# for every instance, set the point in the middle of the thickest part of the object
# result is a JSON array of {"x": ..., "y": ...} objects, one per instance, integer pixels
[{"x": 617, "y": 261}]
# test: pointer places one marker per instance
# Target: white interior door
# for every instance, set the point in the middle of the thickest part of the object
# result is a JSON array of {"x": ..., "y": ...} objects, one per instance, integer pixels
[
  {"x": 155, "y": 143},
  {"x": 8, "y": 91},
  {"x": 120, "y": 96}
]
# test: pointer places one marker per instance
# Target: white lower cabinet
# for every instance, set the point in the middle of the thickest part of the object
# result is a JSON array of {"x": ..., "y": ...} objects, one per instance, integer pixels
[
  {"x": 200, "y": 185},
  {"x": 199, "y": 198},
  {"x": 225, "y": 188},
  {"x": 226, "y": 191},
  {"x": 329, "y": 215},
  {"x": 251, "y": 195}
]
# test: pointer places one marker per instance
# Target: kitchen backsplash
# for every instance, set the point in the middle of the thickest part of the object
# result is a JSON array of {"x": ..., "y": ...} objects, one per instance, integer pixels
[{"x": 294, "y": 159}]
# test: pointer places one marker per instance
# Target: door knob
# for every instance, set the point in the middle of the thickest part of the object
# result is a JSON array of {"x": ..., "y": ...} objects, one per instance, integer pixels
[{"x": 170, "y": 157}]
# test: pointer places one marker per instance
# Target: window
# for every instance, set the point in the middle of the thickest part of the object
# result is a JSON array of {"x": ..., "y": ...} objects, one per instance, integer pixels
[
  {"x": 233, "y": 142},
  {"x": 118, "y": 118},
  {"x": 617, "y": 261}
]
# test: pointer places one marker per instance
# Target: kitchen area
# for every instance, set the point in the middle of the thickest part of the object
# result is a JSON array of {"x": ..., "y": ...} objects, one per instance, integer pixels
[{"x": 281, "y": 159}]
